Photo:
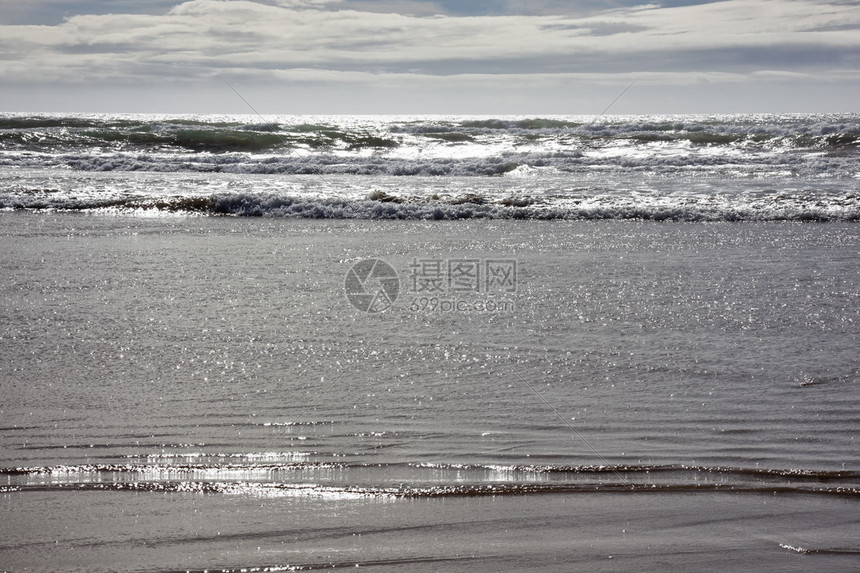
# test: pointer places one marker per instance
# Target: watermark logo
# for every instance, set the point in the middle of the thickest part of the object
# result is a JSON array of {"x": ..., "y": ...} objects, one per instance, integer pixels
[
  {"x": 372, "y": 285},
  {"x": 463, "y": 276},
  {"x": 435, "y": 285}
]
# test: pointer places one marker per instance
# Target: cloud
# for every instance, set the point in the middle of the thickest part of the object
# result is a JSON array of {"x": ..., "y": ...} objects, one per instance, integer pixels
[
  {"x": 51, "y": 12},
  {"x": 361, "y": 40}
]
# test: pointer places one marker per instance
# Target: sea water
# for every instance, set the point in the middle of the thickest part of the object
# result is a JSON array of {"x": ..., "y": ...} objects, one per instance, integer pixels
[
  {"x": 682, "y": 168},
  {"x": 352, "y": 380}
]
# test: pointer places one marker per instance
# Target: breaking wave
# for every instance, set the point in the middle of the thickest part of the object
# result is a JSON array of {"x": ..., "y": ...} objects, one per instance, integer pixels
[
  {"x": 441, "y": 146},
  {"x": 777, "y": 207},
  {"x": 659, "y": 168}
]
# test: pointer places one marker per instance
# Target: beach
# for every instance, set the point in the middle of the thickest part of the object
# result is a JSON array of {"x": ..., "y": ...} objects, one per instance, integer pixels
[
  {"x": 429, "y": 286},
  {"x": 190, "y": 392}
]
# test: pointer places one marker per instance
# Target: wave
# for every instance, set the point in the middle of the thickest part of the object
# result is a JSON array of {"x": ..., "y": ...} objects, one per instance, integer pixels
[
  {"x": 321, "y": 163},
  {"x": 572, "y": 162},
  {"x": 251, "y": 461},
  {"x": 156, "y": 469},
  {"x": 397, "y": 563},
  {"x": 410, "y": 492},
  {"x": 811, "y": 207},
  {"x": 180, "y": 134},
  {"x": 656, "y": 468},
  {"x": 379, "y": 145},
  {"x": 357, "y": 480},
  {"x": 235, "y": 153},
  {"x": 823, "y": 550},
  {"x": 658, "y": 168}
]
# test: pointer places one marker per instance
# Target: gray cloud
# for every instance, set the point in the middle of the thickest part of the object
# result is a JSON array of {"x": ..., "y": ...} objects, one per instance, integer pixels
[
  {"x": 53, "y": 12},
  {"x": 358, "y": 42}
]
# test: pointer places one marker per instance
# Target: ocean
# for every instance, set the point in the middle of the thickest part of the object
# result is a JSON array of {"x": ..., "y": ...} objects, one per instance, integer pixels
[
  {"x": 666, "y": 168},
  {"x": 240, "y": 343}
]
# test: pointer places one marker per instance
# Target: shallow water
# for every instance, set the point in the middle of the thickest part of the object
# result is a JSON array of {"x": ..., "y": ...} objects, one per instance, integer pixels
[
  {"x": 198, "y": 392},
  {"x": 601, "y": 532}
]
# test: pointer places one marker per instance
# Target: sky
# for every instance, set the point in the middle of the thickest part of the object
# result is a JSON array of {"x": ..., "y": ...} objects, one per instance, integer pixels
[{"x": 530, "y": 57}]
